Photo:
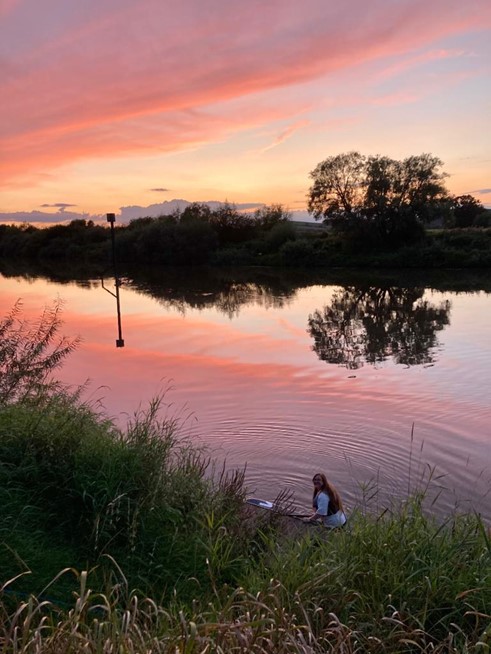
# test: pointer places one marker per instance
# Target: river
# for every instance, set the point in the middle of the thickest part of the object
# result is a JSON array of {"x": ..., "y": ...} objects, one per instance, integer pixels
[{"x": 382, "y": 381}]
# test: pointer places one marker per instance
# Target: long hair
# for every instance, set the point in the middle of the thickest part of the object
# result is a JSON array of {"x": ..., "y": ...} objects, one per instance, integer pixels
[{"x": 330, "y": 489}]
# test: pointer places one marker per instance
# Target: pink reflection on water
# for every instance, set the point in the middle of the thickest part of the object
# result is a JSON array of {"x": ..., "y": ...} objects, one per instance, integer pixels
[{"x": 260, "y": 395}]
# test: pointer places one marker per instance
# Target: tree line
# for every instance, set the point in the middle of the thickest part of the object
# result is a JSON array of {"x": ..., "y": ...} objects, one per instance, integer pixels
[
  {"x": 195, "y": 235},
  {"x": 374, "y": 209}
]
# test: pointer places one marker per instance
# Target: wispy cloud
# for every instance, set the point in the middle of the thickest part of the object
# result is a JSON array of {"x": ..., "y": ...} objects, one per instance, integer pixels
[
  {"x": 114, "y": 78},
  {"x": 286, "y": 133},
  {"x": 159, "y": 190},
  {"x": 395, "y": 99}
]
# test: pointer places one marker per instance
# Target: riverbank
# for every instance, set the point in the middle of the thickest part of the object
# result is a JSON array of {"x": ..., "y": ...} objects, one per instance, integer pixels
[
  {"x": 169, "y": 241},
  {"x": 76, "y": 495},
  {"x": 469, "y": 248},
  {"x": 205, "y": 577}
]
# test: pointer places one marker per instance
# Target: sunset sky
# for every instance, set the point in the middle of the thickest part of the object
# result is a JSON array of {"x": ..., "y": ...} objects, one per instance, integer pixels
[{"x": 121, "y": 103}]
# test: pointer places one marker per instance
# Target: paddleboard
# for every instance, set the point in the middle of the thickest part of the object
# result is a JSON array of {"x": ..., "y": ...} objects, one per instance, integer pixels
[
  {"x": 269, "y": 506},
  {"x": 264, "y": 504}
]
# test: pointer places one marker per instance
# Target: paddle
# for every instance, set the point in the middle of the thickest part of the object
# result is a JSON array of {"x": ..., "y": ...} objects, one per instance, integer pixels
[{"x": 269, "y": 506}]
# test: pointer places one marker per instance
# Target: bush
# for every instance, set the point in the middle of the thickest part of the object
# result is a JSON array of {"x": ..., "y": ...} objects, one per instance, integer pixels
[
  {"x": 483, "y": 219},
  {"x": 234, "y": 256},
  {"x": 278, "y": 235},
  {"x": 30, "y": 353},
  {"x": 231, "y": 226},
  {"x": 296, "y": 253}
]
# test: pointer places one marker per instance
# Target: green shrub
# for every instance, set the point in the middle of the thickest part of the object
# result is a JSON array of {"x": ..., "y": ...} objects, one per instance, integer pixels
[
  {"x": 279, "y": 234},
  {"x": 296, "y": 253}
]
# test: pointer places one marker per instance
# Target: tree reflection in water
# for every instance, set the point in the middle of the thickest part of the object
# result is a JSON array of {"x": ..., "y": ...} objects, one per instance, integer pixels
[
  {"x": 226, "y": 291},
  {"x": 228, "y": 300},
  {"x": 373, "y": 324}
]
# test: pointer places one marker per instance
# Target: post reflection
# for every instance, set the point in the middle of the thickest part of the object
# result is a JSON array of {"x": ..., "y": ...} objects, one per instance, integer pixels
[{"x": 111, "y": 218}]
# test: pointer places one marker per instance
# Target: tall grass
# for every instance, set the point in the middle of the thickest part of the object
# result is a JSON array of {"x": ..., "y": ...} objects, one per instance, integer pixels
[
  {"x": 402, "y": 575},
  {"x": 73, "y": 483},
  {"x": 217, "y": 580},
  {"x": 158, "y": 554},
  {"x": 398, "y": 584}
]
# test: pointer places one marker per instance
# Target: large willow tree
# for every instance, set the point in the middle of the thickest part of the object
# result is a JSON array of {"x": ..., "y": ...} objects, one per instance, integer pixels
[{"x": 383, "y": 199}]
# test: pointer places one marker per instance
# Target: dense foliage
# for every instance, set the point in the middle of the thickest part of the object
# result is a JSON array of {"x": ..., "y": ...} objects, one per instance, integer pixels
[
  {"x": 467, "y": 211},
  {"x": 192, "y": 236},
  {"x": 378, "y": 200},
  {"x": 223, "y": 236}
]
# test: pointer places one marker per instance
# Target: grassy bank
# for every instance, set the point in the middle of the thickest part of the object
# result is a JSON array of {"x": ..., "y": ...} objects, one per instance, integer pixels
[
  {"x": 393, "y": 583},
  {"x": 76, "y": 490},
  {"x": 464, "y": 248},
  {"x": 126, "y": 540}
]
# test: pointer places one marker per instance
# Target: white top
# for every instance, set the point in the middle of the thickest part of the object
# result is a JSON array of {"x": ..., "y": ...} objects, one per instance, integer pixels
[{"x": 336, "y": 519}]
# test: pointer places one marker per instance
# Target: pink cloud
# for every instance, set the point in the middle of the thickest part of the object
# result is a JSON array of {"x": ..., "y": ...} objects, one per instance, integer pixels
[
  {"x": 104, "y": 79},
  {"x": 166, "y": 132}
]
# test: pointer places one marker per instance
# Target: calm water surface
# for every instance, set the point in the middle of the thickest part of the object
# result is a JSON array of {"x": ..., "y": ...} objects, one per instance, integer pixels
[{"x": 295, "y": 374}]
